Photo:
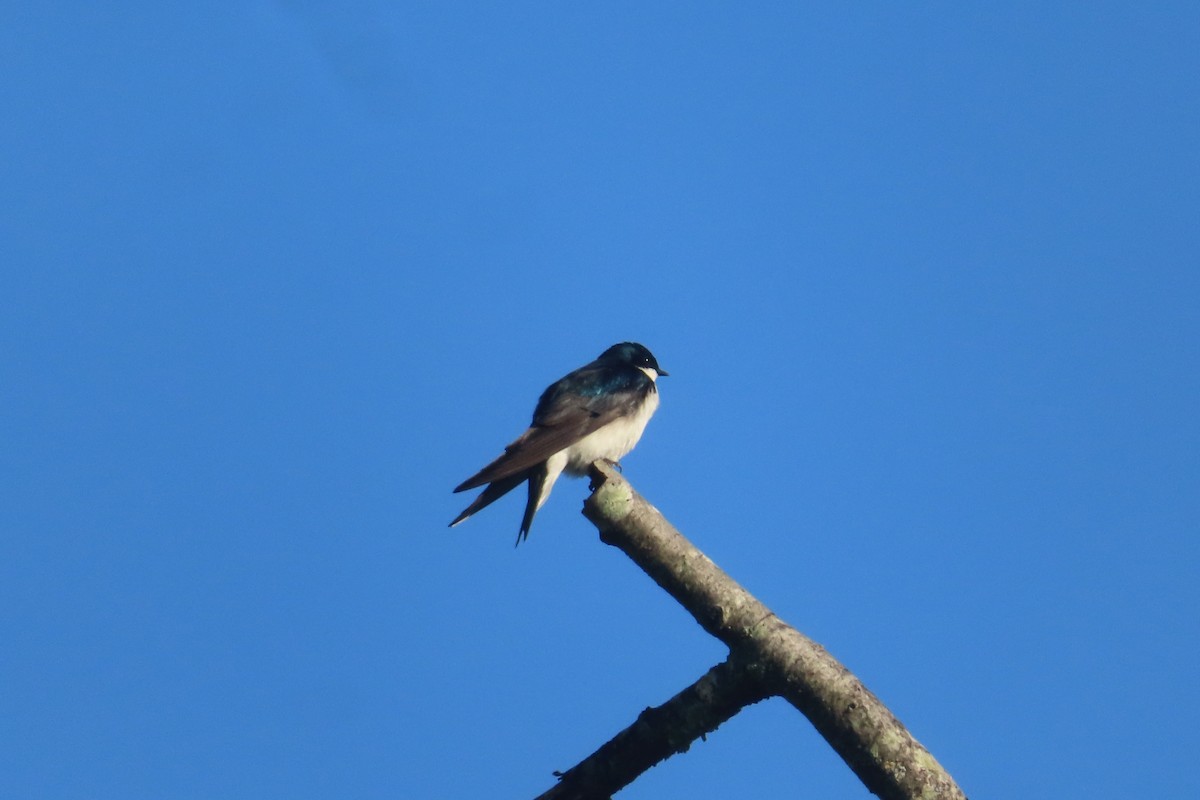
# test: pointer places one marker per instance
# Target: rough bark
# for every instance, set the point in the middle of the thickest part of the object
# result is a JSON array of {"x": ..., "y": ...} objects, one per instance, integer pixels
[
  {"x": 765, "y": 653},
  {"x": 661, "y": 732}
]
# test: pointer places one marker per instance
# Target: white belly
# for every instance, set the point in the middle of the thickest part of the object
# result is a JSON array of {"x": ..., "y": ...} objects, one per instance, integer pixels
[{"x": 611, "y": 442}]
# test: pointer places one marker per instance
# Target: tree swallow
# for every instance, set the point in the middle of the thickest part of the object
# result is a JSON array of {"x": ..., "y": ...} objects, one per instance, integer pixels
[{"x": 597, "y": 412}]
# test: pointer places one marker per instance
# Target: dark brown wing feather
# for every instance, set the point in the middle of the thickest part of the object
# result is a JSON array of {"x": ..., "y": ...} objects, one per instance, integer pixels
[
  {"x": 534, "y": 446},
  {"x": 491, "y": 494},
  {"x": 570, "y": 409}
]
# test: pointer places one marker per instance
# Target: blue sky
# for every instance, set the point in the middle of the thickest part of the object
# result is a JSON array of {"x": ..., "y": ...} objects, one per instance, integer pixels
[{"x": 277, "y": 276}]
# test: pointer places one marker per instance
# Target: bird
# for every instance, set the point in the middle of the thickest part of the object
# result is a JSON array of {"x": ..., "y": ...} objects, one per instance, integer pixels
[{"x": 595, "y": 413}]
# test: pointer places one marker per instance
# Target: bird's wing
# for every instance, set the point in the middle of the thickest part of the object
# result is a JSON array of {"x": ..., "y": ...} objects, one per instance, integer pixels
[
  {"x": 491, "y": 494},
  {"x": 563, "y": 418}
]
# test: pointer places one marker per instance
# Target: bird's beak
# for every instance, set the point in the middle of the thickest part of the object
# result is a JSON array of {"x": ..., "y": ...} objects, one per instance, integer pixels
[{"x": 661, "y": 372}]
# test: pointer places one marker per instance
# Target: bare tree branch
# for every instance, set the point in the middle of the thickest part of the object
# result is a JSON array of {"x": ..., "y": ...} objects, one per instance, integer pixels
[
  {"x": 661, "y": 732},
  {"x": 776, "y": 657}
]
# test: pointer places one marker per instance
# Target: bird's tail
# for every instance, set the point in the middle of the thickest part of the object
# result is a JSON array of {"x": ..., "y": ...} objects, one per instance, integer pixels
[{"x": 537, "y": 496}]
